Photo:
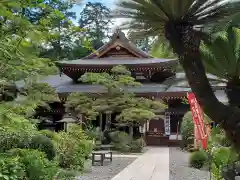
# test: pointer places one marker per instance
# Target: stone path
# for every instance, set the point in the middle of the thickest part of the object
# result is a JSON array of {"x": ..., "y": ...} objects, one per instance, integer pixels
[
  {"x": 152, "y": 165},
  {"x": 162, "y": 163},
  {"x": 109, "y": 170}
]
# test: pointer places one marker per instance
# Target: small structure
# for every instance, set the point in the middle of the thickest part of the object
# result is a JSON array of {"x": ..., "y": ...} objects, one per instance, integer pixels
[{"x": 67, "y": 120}]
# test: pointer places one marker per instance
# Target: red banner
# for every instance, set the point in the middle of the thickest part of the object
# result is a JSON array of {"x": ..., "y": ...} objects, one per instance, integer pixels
[{"x": 198, "y": 119}]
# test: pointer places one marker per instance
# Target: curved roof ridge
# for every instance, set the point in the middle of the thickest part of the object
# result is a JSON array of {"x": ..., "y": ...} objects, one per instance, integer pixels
[{"x": 118, "y": 34}]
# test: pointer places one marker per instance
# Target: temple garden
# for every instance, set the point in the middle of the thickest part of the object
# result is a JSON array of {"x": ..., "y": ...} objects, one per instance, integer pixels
[{"x": 77, "y": 103}]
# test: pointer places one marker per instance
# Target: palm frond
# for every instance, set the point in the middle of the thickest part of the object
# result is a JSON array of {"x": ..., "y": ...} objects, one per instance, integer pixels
[
  {"x": 150, "y": 16},
  {"x": 221, "y": 55}
]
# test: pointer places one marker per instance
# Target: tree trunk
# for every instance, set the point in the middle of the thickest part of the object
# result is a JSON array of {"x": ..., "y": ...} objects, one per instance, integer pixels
[
  {"x": 100, "y": 124},
  {"x": 233, "y": 92},
  {"x": 108, "y": 121},
  {"x": 131, "y": 132},
  {"x": 227, "y": 117},
  {"x": 185, "y": 41}
]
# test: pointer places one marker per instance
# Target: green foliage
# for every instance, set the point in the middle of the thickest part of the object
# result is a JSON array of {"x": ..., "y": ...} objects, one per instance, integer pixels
[
  {"x": 221, "y": 157},
  {"x": 144, "y": 23},
  {"x": 19, "y": 55},
  {"x": 221, "y": 55},
  {"x": 11, "y": 168},
  {"x": 120, "y": 77},
  {"x": 120, "y": 70},
  {"x": 44, "y": 144},
  {"x": 162, "y": 49},
  {"x": 124, "y": 143},
  {"x": 8, "y": 90},
  {"x": 187, "y": 129},
  {"x": 135, "y": 116},
  {"x": 198, "y": 159},
  {"x": 15, "y": 130},
  {"x": 95, "y": 19},
  {"x": 81, "y": 105},
  {"x": 73, "y": 148},
  {"x": 121, "y": 141},
  {"x": 37, "y": 166},
  {"x": 50, "y": 134},
  {"x": 119, "y": 136},
  {"x": 137, "y": 145},
  {"x": 218, "y": 138},
  {"x": 221, "y": 58}
]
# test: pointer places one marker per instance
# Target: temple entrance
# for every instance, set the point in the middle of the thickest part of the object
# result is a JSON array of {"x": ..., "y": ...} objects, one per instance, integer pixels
[{"x": 155, "y": 133}]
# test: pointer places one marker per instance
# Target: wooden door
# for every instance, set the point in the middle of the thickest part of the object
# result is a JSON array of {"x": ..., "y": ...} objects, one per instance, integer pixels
[{"x": 155, "y": 134}]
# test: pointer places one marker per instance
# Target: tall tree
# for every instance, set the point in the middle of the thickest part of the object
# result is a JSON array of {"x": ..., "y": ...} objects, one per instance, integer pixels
[
  {"x": 64, "y": 36},
  {"x": 95, "y": 19},
  {"x": 183, "y": 23},
  {"x": 19, "y": 44}
]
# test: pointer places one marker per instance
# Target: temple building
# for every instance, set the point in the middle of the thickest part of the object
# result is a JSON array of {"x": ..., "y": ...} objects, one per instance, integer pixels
[{"x": 155, "y": 75}]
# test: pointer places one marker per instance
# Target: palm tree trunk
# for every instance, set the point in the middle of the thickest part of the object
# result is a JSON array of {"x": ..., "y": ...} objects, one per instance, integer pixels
[
  {"x": 227, "y": 117},
  {"x": 233, "y": 92},
  {"x": 185, "y": 41}
]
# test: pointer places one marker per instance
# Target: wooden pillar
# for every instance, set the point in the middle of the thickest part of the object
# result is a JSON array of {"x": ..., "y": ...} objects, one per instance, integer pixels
[
  {"x": 100, "y": 124},
  {"x": 108, "y": 120}
]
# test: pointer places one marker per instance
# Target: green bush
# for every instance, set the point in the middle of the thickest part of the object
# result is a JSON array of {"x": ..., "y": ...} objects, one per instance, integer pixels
[
  {"x": 222, "y": 159},
  {"x": 137, "y": 145},
  {"x": 120, "y": 137},
  {"x": 121, "y": 147},
  {"x": 73, "y": 148},
  {"x": 50, "y": 134},
  {"x": 10, "y": 139},
  {"x": 121, "y": 141},
  {"x": 15, "y": 131},
  {"x": 11, "y": 168},
  {"x": 187, "y": 130},
  {"x": 44, "y": 144},
  {"x": 37, "y": 166},
  {"x": 198, "y": 159}
]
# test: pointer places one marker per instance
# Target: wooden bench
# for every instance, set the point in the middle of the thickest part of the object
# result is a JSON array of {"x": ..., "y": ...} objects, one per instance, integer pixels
[{"x": 102, "y": 155}]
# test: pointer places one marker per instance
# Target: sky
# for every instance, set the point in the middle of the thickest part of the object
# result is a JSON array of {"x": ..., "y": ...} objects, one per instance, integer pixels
[{"x": 109, "y": 3}]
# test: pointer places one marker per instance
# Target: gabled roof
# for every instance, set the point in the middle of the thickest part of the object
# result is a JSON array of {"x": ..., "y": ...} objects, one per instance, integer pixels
[{"x": 118, "y": 39}]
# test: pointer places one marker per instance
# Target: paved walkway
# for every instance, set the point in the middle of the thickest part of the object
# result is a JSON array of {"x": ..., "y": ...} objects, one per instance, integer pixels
[{"x": 152, "y": 165}]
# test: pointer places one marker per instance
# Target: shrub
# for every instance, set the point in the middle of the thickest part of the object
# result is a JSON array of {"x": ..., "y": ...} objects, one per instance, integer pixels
[
  {"x": 198, "y": 159},
  {"x": 15, "y": 131},
  {"x": 11, "y": 168},
  {"x": 44, "y": 144},
  {"x": 12, "y": 139},
  {"x": 122, "y": 147},
  {"x": 187, "y": 130},
  {"x": 120, "y": 137},
  {"x": 121, "y": 141},
  {"x": 50, "y": 134},
  {"x": 37, "y": 166},
  {"x": 137, "y": 145},
  {"x": 73, "y": 148}
]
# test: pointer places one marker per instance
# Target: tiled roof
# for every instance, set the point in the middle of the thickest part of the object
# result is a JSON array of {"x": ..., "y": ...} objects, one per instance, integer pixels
[
  {"x": 120, "y": 61},
  {"x": 64, "y": 84}
]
